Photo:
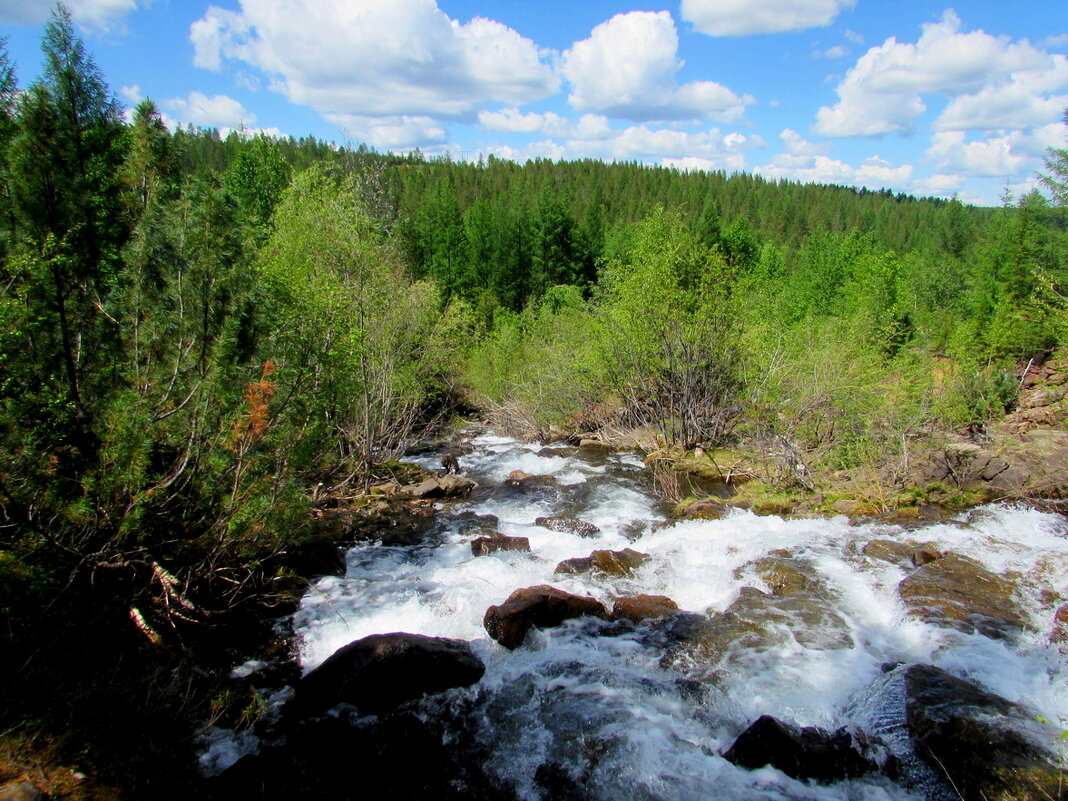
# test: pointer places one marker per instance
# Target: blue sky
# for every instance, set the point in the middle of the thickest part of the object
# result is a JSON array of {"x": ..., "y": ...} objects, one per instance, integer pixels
[{"x": 912, "y": 95}]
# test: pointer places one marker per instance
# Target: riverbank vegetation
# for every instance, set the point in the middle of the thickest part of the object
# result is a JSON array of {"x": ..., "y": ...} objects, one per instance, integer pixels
[{"x": 202, "y": 337}]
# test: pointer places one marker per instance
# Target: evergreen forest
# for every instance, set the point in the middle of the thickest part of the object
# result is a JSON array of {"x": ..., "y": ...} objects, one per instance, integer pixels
[{"x": 203, "y": 336}]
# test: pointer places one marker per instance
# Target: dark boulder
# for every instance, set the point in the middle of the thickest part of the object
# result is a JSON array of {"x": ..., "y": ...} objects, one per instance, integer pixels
[
  {"x": 484, "y": 546},
  {"x": 643, "y": 607},
  {"x": 614, "y": 563},
  {"x": 536, "y": 607},
  {"x": 957, "y": 592},
  {"x": 380, "y": 672},
  {"x": 906, "y": 554},
  {"x": 986, "y": 746},
  {"x": 804, "y": 753},
  {"x": 568, "y": 525}
]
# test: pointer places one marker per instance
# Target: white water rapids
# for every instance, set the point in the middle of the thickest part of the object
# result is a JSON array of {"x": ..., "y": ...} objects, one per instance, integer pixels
[{"x": 603, "y": 709}]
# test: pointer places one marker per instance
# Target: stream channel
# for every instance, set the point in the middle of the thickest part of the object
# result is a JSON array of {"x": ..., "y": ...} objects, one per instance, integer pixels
[{"x": 617, "y": 711}]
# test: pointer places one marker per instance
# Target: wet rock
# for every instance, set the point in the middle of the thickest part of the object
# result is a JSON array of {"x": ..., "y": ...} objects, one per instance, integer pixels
[
  {"x": 484, "y": 546},
  {"x": 957, "y": 592},
  {"x": 759, "y": 620},
  {"x": 557, "y": 453},
  {"x": 536, "y": 607},
  {"x": 906, "y": 554},
  {"x": 786, "y": 575},
  {"x": 643, "y": 607},
  {"x": 378, "y": 673},
  {"x": 517, "y": 477},
  {"x": 20, "y": 791},
  {"x": 614, "y": 563},
  {"x": 1059, "y": 634},
  {"x": 471, "y": 524},
  {"x": 568, "y": 525},
  {"x": 986, "y": 746},
  {"x": 803, "y": 753}
]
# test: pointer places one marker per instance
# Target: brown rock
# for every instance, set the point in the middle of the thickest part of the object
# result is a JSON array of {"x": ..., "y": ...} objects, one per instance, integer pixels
[
  {"x": 642, "y": 607},
  {"x": 786, "y": 575},
  {"x": 705, "y": 509},
  {"x": 517, "y": 477},
  {"x": 925, "y": 554},
  {"x": 568, "y": 525},
  {"x": 615, "y": 563},
  {"x": 898, "y": 553},
  {"x": 536, "y": 607},
  {"x": 1059, "y": 634},
  {"x": 387, "y": 488},
  {"x": 483, "y": 546},
  {"x": 957, "y": 592}
]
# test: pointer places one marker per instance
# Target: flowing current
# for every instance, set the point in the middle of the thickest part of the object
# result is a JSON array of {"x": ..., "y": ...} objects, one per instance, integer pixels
[{"x": 604, "y": 708}]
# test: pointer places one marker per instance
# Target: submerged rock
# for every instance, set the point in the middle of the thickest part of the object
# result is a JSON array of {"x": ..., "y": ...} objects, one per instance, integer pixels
[
  {"x": 536, "y": 607},
  {"x": 643, "y": 607},
  {"x": 805, "y": 753},
  {"x": 378, "y": 673},
  {"x": 568, "y": 525},
  {"x": 484, "y": 546},
  {"x": 985, "y": 746},
  {"x": 957, "y": 592},
  {"x": 614, "y": 563},
  {"x": 787, "y": 575}
]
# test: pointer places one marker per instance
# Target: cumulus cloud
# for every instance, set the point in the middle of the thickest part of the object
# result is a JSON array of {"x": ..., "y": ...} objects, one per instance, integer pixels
[
  {"x": 746, "y": 17},
  {"x": 390, "y": 133},
  {"x": 990, "y": 158},
  {"x": 511, "y": 120},
  {"x": 627, "y": 68},
  {"x": 883, "y": 92},
  {"x": 873, "y": 172},
  {"x": 217, "y": 111},
  {"x": 103, "y": 15},
  {"x": 402, "y": 59}
]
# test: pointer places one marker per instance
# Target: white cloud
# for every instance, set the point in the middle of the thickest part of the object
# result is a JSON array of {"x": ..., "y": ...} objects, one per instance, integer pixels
[
  {"x": 745, "y": 17},
  {"x": 941, "y": 185},
  {"x": 991, "y": 158},
  {"x": 133, "y": 94},
  {"x": 883, "y": 92},
  {"x": 103, "y": 15},
  {"x": 838, "y": 51},
  {"x": 873, "y": 172},
  {"x": 627, "y": 67},
  {"x": 390, "y": 133},
  {"x": 217, "y": 111},
  {"x": 665, "y": 145},
  {"x": 853, "y": 37},
  {"x": 511, "y": 120},
  {"x": 404, "y": 58}
]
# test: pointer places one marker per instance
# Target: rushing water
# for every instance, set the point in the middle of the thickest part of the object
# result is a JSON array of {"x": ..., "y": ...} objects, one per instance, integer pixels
[{"x": 608, "y": 710}]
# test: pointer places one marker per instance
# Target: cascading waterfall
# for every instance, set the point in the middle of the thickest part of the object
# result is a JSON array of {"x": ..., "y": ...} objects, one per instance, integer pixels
[{"x": 610, "y": 707}]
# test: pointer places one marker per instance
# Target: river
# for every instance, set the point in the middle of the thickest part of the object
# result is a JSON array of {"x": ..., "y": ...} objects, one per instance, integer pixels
[{"x": 605, "y": 706}]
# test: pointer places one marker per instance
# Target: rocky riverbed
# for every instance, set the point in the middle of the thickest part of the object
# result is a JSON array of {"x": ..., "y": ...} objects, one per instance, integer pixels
[{"x": 544, "y": 628}]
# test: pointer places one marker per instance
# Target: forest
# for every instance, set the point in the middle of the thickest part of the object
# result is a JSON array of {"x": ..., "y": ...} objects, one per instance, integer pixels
[{"x": 202, "y": 336}]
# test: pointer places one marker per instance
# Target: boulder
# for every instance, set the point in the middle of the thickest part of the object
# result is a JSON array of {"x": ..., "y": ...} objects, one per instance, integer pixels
[
  {"x": 484, "y": 546},
  {"x": 804, "y": 753},
  {"x": 568, "y": 525},
  {"x": 614, "y": 563},
  {"x": 1059, "y": 634},
  {"x": 378, "y": 673},
  {"x": 536, "y": 607},
  {"x": 957, "y": 592},
  {"x": 910, "y": 554},
  {"x": 387, "y": 488},
  {"x": 786, "y": 575},
  {"x": 705, "y": 509},
  {"x": 449, "y": 486},
  {"x": 643, "y": 607},
  {"x": 985, "y": 746},
  {"x": 517, "y": 477}
]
